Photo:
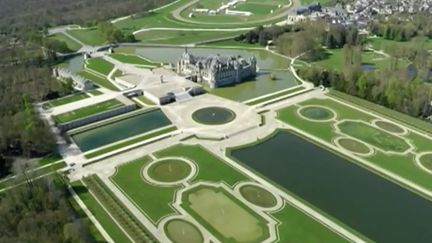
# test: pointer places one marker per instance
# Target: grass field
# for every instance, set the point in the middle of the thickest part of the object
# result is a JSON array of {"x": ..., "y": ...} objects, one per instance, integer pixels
[
  {"x": 181, "y": 231},
  {"x": 100, "y": 81},
  {"x": 413, "y": 122},
  {"x": 71, "y": 44},
  {"x": 99, "y": 213},
  {"x": 91, "y": 37},
  {"x": 154, "y": 201},
  {"x": 88, "y": 111},
  {"x": 224, "y": 215},
  {"x": 182, "y": 37},
  {"x": 258, "y": 196},
  {"x": 100, "y": 65},
  {"x": 169, "y": 170},
  {"x": 64, "y": 100},
  {"x": 402, "y": 165},
  {"x": 334, "y": 60},
  {"x": 373, "y": 136},
  {"x": 132, "y": 59}
]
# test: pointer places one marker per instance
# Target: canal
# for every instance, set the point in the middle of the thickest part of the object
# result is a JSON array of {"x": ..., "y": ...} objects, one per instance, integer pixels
[
  {"x": 372, "y": 205},
  {"x": 120, "y": 130}
]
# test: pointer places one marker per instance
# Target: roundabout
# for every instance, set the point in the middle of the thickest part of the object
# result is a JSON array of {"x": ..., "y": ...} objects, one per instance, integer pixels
[
  {"x": 169, "y": 171},
  {"x": 213, "y": 115},
  {"x": 317, "y": 113},
  {"x": 182, "y": 231}
]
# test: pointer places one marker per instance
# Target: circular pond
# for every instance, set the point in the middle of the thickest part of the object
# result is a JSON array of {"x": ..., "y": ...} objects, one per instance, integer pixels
[
  {"x": 426, "y": 161},
  {"x": 258, "y": 196},
  {"x": 317, "y": 113},
  {"x": 213, "y": 115},
  {"x": 179, "y": 231},
  {"x": 390, "y": 127},
  {"x": 353, "y": 146},
  {"x": 169, "y": 170}
]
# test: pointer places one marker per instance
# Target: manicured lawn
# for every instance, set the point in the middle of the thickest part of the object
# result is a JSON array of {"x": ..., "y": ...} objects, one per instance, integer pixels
[
  {"x": 99, "y": 213},
  {"x": 211, "y": 167},
  {"x": 402, "y": 165},
  {"x": 258, "y": 196},
  {"x": 64, "y": 100},
  {"x": 373, "y": 136},
  {"x": 100, "y": 65},
  {"x": 155, "y": 200},
  {"x": 91, "y": 37},
  {"x": 231, "y": 43},
  {"x": 224, "y": 215},
  {"x": 132, "y": 59},
  {"x": 169, "y": 170},
  {"x": 334, "y": 60},
  {"x": 298, "y": 227},
  {"x": 182, "y": 37},
  {"x": 71, "y": 44},
  {"x": 88, "y": 111},
  {"x": 383, "y": 111},
  {"x": 152, "y": 200},
  {"x": 103, "y": 82}
]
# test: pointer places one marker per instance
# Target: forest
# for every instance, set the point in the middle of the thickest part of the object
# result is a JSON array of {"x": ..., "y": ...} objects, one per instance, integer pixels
[
  {"x": 404, "y": 88},
  {"x": 25, "y": 74}
]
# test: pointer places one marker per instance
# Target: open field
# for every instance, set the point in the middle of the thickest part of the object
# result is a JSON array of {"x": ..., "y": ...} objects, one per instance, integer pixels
[
  {"x": 156, "y": 202},
  {"x": 402, "y": 164},
  {"x": 71, "y": 44},
  {"x": 182, "y": 37},
  {"x": 100, "y": 81},
  {"x": 64, "y": 100},
  {"x": 88, "y": 111},
  {"x": 91, "y": 37},
  {"x": 334, "y": 60},
  {"x": 99, "y": 65}
]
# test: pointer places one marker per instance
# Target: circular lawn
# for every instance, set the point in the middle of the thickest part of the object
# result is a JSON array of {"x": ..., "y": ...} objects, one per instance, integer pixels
[
  {"x": 354, "y": 146},
  {"x": 258, "y": 196},
  {"x": 181, "y": 231},
  {"x": 317, "y": 113},
  {"x": 426, "y": 161},
  {"x": 169, "y": 170}
]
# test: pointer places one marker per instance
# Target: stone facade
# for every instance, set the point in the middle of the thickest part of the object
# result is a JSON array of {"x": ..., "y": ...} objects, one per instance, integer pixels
[{"x": 215, "y": 70}]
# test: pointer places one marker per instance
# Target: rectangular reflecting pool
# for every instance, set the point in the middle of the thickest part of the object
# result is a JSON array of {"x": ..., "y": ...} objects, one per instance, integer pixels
[
  {"x": 120, "y": 130},
  {"x": 372, "y": 205}
]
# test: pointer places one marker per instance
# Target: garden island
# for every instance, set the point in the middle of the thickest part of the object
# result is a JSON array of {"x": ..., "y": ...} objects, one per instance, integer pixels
[{"x": 237, "y": 121}]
